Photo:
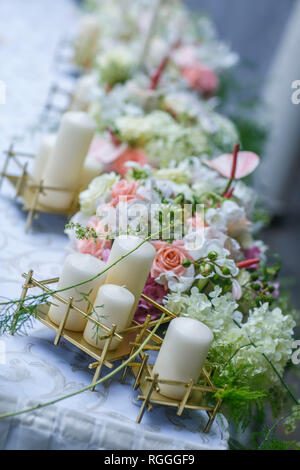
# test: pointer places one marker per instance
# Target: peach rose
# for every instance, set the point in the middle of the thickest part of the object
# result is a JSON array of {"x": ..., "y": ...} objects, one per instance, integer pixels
[
  {"x": 200, "y": 78},
  {"x": 169, "y": 257},
  {"x": 129, "y": 155},
  {"x": 123, "y": 188}
]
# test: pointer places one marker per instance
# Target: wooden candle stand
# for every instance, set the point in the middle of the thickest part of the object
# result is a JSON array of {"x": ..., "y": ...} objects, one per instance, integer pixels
[
  {"x": 29, "y": 191},
  {"x": 197, "y": 396}
]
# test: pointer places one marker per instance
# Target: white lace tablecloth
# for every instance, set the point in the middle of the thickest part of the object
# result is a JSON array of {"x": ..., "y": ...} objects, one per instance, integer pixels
[{"x": 32, "y": 369}]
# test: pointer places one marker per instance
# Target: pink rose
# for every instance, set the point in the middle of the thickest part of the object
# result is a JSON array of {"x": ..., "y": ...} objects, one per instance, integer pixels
[
  {"x": 200, "y": 78},
  {"x": 98, "y": 247},
  {"x": 123, "y": 188},
  {"x": 169, "y": 258},
  {"x": 92, "y": 247},
  {"x": 129, "y": 155}
]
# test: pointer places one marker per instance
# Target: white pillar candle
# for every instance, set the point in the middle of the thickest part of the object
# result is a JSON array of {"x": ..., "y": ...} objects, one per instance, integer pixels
[
  {"x": 44, "y": 151},
  {"x": 182, "y": 354},
  {"x": 65, "y": 164},
  {"x": 91, "y": 169},
  {"x": 85, "y": 92},
  {"x": 131, "y": 272},
  {"x": 113, "y": 305},
  {"x": 77, "y": 268},
  {"x": 87, "y": 42}
]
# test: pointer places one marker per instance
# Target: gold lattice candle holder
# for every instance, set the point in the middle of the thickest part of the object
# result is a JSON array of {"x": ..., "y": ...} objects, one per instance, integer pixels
[
  {"x": 28, "y": 190},
  {"x": 127, "y": 336},
  {"x": 196, "y": 397}
]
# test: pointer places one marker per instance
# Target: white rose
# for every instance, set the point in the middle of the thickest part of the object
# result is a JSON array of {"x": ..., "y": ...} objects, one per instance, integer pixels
[{"x": 98, "y": 190}]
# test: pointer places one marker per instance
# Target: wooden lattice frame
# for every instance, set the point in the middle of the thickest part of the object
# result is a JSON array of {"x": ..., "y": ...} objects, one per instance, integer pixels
[
  {"x": 131, "y": 338},
  {"x": 29, "y": 191}
]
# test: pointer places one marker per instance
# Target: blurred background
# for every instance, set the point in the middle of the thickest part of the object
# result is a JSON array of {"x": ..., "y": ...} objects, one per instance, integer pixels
[{"x": 266, "y": 35}]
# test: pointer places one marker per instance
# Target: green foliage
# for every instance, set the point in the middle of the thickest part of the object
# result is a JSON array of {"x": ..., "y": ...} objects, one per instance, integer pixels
[
  {"x": 278, "y": 444},
  {"x": 292, "y": 420},
  {"x": 16, "y": 316},
  {"x": 266, "y": 441},
  {"x": 240, "y": 403},
  {"x": 83, "y": 232}
]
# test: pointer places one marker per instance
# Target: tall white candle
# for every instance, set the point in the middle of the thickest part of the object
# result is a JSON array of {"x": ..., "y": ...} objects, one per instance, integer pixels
[
  {"x": 87, "y": 42},
  {"x": 77, "y": 268},
  {"x": 44, "y": 151},
  {"x": 65, "y": 164},
  {"x": 131, "y": 272},
  {"x": 182, "y": 354},
  {"x": 91, "y": 169},
  {"x": 113, "y": 305}
]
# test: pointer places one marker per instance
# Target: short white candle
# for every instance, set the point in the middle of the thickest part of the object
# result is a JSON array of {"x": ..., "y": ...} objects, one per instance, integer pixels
[
  {"x": 91, "y": 169},
  {"x": 44, "y": 151},
  {"x": 182, "y": 354},
  {"x": 65, "y": 164},
  {"x": 77, "y": 268},
  {"x": 113, "y": 305},
  {"x": 131, "y": 272}
]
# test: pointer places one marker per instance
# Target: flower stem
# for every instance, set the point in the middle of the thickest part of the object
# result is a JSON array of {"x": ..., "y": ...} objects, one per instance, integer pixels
[
  {"x": 247, "y": 263},
  {"x": 155, "y": 79},
  {"x": 233, "y": 168}
]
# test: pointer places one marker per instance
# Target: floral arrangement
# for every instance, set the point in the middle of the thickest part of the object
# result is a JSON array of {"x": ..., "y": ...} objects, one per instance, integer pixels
[
  {"x": 158, "y": 128},
  {"x": 109, "y": 43},
  {"x": 165, "y": 108},
  {"x": 163, "y": 143},
  {"x": 226, "y": 282}
]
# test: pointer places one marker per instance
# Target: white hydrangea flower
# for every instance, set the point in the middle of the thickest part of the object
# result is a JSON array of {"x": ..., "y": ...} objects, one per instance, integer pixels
[
  {"x": 272, "y": 334},
  {"x": 176, "y": 175},
  {"x": 116, "y": 65},
  {"x": 217, "y": 313}
]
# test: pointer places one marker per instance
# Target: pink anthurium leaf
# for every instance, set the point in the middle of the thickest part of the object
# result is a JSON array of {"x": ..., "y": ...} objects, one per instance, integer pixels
[{"x": 246, "y": 164}]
